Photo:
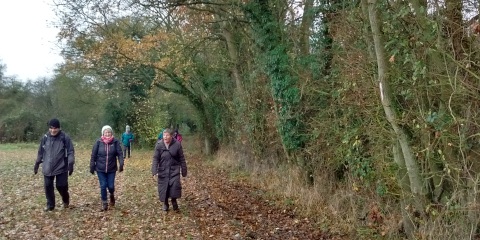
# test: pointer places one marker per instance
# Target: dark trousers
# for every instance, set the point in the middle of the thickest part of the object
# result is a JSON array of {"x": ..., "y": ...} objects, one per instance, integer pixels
[
  {"x": 61, "y": 182},
  {"x": 126, "y": 149},
  {"x": 107, "y": 181}
]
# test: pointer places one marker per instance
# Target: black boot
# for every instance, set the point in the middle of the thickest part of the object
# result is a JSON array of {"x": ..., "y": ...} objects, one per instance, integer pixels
[
  {"x": 48, "y": 209},
  {"x": 165, "y": 205},
  {"x": 104, "y": 206},
  {"x": 112, "y": 200},
  {"x": 174, "y": 204}
]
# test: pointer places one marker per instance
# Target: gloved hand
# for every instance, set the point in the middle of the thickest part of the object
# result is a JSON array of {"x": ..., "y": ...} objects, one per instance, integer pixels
[
  {"x": 129, "y": 140},
  {"x": 121, "y": 168},
  {"x": 92, "y": 171},
  {"x": 35, "y": 169},
  {"x": 70, "y": 172}
]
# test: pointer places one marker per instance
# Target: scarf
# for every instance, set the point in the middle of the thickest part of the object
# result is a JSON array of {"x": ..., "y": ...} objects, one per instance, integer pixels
[{"x": 107, "y": 140}]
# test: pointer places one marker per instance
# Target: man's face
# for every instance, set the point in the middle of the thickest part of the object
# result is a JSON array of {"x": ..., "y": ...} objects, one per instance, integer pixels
[
  {"x": 54, "y": 131},
  {"x": 167, "y": 138}
]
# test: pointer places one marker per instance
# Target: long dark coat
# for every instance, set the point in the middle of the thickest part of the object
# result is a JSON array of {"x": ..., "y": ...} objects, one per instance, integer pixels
[{"x": 168, "y": 163}]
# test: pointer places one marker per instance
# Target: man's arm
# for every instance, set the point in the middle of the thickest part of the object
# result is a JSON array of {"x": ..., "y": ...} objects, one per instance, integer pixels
[
  {"x": 70, "y": 154},
  {"x": 39, "y": 159}
]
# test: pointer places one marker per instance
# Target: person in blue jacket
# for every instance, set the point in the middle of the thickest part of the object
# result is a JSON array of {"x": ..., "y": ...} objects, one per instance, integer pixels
[{"x": 127, "y": 138}]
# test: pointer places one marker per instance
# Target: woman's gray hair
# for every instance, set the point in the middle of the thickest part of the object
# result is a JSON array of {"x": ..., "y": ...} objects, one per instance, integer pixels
[{"x": 168, "y": 130}]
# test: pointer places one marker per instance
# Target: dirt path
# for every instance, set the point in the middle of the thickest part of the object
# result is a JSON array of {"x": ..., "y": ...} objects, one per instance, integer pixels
[{"x": 224, "y": 209}]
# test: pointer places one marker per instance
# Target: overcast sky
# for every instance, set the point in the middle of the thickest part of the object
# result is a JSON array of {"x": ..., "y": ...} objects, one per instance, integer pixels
[{"x": 27, "y": 38}]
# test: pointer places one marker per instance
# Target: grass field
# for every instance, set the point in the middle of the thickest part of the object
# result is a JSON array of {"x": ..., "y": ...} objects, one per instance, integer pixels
[{"x": 137, "y": 213}]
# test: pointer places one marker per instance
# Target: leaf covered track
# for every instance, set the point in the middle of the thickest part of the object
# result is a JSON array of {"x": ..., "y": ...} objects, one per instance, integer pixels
[{"x": 212, "y": 206}]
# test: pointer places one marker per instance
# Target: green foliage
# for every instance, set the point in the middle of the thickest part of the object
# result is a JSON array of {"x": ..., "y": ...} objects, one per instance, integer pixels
[
  {"x": 438, "y": 121},
  {"x": 116, "y": 113},
  {"x": 219, "y": 89},
  {"x": 277, "y": 66},
  {"x": 73, "y": 91},
  {"x": 409, "y": 42},
  {"x": 136, "y": 80},
  {"x": 150, "y": 121},
  {"x": 357, "y": 159},
  {"x": 19, "y": 119},
  {"x": 19, "y": 127},
  {"x": 381, "y": 189},
  {"x": 34, "y": 103}
]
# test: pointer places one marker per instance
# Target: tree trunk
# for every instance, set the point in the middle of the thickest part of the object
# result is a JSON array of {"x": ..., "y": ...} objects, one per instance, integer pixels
[
  {"x": 307, "y": 21},
  {"x": 233, "y": 53},
  {"x": 417, "y": 187},
  {"x": 404, "y": 183}
]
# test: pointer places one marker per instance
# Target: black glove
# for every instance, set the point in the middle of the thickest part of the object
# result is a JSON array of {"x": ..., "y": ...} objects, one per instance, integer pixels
[
  {"x": 70, "y": 172},
  {"x": 92, "y": 171},
  {"x": 35, "y": 169},
  {"x": 121, "y": 168}
]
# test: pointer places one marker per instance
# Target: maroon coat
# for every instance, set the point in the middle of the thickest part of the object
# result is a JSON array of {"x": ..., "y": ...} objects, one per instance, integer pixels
[{"x": 168, "y": 163}]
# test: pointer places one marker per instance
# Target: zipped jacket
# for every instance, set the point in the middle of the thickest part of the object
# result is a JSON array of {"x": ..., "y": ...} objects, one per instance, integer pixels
[
  {"x": 104, "y": 156},
  {"x": 127, "y": 138},
  {"x": 56, "y": 154}
]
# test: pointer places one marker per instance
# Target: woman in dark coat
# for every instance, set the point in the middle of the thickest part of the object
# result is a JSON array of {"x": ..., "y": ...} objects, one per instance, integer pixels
[
  {"x": 105, "y": 153},
  {"x": 168, "y": 162}
]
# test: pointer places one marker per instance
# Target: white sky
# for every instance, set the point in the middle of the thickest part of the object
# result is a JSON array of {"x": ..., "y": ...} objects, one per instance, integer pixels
[{"x": 27, "y": 38}]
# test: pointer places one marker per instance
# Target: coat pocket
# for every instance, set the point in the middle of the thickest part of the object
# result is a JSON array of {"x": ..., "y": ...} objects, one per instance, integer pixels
[{"x": 162, "y": 173}]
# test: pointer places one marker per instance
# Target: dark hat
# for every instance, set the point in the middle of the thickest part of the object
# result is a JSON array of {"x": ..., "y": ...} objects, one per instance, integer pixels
[{"x": 54, "y": 123}]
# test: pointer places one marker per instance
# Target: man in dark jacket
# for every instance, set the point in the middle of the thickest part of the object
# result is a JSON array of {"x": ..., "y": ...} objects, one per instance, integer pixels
[
  {"x": 57, "y": 154},
  {"x": 168, "y": 162}
]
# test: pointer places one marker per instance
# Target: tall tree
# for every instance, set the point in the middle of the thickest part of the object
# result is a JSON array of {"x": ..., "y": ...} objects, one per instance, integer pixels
[{"x": 404, "y": 155}]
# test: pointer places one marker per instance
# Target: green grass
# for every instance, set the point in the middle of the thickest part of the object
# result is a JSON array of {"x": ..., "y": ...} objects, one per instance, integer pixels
[{"x": 17, "y": 146}]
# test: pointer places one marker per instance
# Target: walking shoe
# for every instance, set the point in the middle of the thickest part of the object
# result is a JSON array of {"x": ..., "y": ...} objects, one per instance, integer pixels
[
  {"x": 66, "y": 205},
  {"x": 104, "y": 206},
  {"x": 112, "y": 200},
  {"x": 174, "y": 204},
  {"x": 48, "y": 209},
  {"x": 165, "y": 206}
]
